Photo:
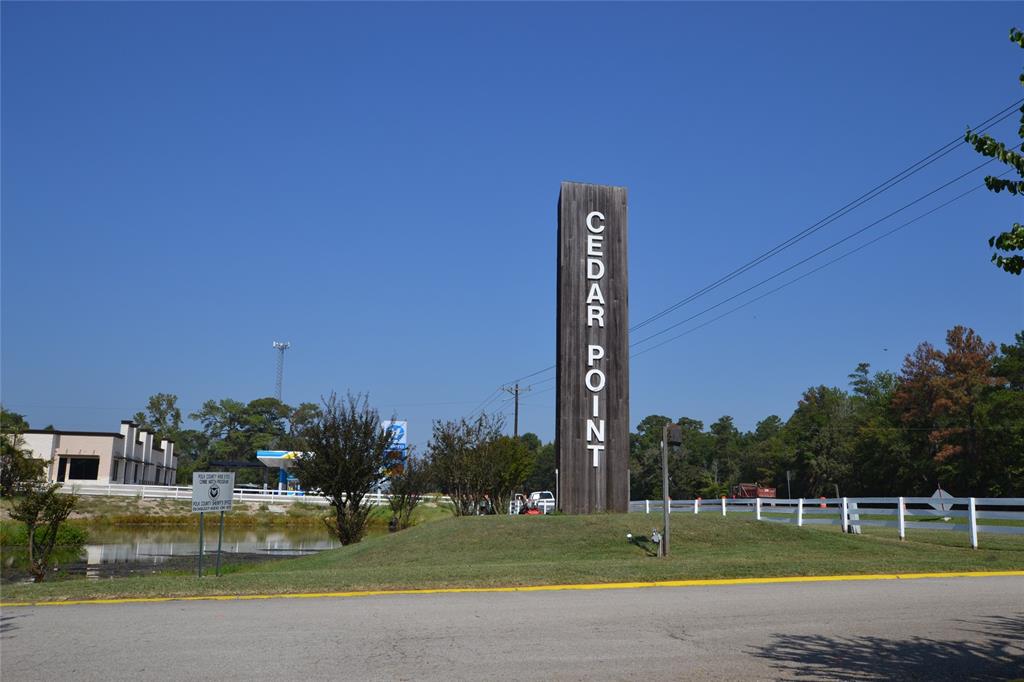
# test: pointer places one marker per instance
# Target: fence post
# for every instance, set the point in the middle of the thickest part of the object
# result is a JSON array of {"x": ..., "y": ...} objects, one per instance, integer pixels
[
  {"x": 757, "y": 509},
  {"x": 800, "y": 512},
  {"x": 902, "y": 519},
  {"x": 696, "y": 506},
  {"x": 723, "y": 505},
  {"x": 647, "y": 506},
  {"x": 843, "y": 511},
  {"x": 973, "y": 520}
]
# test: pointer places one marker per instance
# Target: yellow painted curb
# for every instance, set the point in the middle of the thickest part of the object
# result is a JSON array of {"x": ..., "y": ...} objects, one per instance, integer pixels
[{"x": 533, "y": 588}]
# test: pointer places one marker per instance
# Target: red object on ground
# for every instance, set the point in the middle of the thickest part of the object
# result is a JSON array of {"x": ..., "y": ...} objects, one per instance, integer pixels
[{"x": 749, "y": 490}]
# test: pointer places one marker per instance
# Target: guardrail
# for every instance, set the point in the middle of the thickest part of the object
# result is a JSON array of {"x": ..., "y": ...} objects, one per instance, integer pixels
[
  {"x": 973, "y": 515},
  {"x": 185, "y": 493}
]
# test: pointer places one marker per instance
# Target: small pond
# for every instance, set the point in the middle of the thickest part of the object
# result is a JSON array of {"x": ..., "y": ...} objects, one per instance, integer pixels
[{"x": 132, "y": 550}]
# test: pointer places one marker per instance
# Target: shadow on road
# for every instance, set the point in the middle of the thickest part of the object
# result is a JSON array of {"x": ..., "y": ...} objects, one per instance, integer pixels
[
  {"x": 992, "y": 649},
  {"x": 6, "y": 626}
]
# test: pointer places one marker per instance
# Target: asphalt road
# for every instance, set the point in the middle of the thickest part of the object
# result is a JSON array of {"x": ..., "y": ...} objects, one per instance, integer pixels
[{"x": 957, "y": 629}]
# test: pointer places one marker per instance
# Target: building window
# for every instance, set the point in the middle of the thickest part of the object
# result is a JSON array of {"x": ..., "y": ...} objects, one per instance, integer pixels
[
  {"x": 117, "y": 467},
  {"x": 83, "y": 469}
]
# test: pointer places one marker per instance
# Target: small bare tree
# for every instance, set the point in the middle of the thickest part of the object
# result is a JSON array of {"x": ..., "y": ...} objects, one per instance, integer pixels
[
  {"x": 407, "y": 488},
  {"x": 347, "y": 456},
  {"x": 44, "y": 509}
]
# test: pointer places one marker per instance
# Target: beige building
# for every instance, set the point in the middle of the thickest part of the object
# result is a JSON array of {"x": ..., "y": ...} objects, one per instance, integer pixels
[{"x": 131, "y": 456}]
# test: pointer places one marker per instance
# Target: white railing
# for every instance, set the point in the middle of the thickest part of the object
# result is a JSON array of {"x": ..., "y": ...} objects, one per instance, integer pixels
[
  {"x": 972, "y": 515},
  {"x": 240, "y": 494}
]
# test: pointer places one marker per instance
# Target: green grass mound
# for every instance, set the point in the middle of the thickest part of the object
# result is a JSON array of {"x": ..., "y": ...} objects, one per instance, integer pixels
[{"x": 521, "y": 550}]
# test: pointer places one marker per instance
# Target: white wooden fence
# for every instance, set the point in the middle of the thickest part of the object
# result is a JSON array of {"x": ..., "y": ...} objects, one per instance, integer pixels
[
  {"x": 971, "y": 515},
  {"x": 185, "y": 493}
]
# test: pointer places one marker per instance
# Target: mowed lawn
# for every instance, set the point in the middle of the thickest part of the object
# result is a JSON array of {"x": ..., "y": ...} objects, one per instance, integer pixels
[{"x": 542, "y": 550}]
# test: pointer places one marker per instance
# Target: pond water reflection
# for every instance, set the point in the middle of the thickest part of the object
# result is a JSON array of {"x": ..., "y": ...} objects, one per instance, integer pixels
[{"x": 125, "y": 550}]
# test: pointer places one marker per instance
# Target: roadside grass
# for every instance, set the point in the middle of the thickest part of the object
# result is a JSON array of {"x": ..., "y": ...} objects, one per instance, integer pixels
[{"x": 520, "y": 551}]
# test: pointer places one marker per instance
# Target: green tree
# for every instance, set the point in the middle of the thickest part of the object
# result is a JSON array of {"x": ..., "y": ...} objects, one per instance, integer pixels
[
  {"x": 1012, "y": 240},
  {"x": 765, "y": 457},
  {"x": 457, "y": 452},
  {"x": 645, "y": 458},
  {"x": 43, "y": 509},
  {"x": 234, "y": 431},
  {"x": 506, "y": 463},
  {"x": 543, "y": 475},
  {"x": 1009, "y": 364},
  {"x": 162, "y": 416},
  {"x": 818, "y": 434},
  {"x": 348, "y": 456},
  {"x": 17, "y": 466},
  {"x": 882, "y": 458},
  {"x": 727, "y": 454}
]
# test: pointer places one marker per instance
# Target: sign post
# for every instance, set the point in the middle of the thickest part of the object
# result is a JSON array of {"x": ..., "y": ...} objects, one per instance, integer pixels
[
  {"x": 672, "y": 434},
  {"x": 200, "y": 544},
  {"x": 220, "y": 541},
  {"x": 212, "y": 492}
]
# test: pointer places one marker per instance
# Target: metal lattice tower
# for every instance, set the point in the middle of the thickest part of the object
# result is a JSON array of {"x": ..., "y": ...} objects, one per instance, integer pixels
[{"x": 281, "y": 347}]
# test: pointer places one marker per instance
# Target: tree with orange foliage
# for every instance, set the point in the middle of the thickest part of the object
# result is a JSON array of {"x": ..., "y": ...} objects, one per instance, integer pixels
[{"x": 938, "y": 400}]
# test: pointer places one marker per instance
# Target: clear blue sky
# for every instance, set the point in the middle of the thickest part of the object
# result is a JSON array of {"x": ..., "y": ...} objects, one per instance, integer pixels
[{"x": 184, "y": 183}]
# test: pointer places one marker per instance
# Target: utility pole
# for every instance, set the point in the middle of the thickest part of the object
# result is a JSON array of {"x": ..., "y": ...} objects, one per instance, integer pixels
[
  {"x": 281, "y": 347},
  {"x": 515, "y": 391}
]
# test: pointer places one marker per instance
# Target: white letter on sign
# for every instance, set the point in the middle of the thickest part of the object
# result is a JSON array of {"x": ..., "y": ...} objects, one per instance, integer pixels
[
  {"x": 590, "y": 224},
  {"x": 595, "y": 268},
  {"x": 600, "y": 380},
  {"x": 594, "y": 353}
]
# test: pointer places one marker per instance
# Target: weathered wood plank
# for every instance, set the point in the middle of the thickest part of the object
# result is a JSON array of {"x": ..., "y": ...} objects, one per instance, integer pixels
[{"x": 583, "y": 487}]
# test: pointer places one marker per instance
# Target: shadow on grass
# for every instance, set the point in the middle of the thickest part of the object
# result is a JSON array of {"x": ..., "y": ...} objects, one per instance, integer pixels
[
  {"x": 649, "y": 547},
  {"x": 991, "y": 649}
]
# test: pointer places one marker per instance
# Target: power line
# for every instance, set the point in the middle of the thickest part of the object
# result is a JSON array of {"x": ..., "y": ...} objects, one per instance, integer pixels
[
  {"x": 806, "y": 274},
  {"x": 835, "y": 215},
  {"x": 882, "y": 187},
  {"x": 819, "y": 252}
]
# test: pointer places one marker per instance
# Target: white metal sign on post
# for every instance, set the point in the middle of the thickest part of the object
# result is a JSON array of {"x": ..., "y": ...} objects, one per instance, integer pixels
[{"x": 212, "y": 492}]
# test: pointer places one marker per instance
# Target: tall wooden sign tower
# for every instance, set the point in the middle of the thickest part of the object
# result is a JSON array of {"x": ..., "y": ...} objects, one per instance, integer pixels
[{"x": 592, "y": 434}]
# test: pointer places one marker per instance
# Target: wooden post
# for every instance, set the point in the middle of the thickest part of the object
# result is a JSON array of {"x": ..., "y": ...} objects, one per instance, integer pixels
[
  {"x": 666, "y": 502},
  {"x": 800, "y": 512},
  {"x": 757, "y": 509},
  {"x": 843, "y": 511},
  {"x": 723, "y": 505}
]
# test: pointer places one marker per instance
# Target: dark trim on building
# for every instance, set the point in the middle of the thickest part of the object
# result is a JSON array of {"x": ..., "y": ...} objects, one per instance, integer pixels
[{"x": 56, "y": 432}]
